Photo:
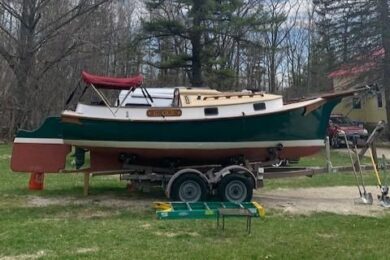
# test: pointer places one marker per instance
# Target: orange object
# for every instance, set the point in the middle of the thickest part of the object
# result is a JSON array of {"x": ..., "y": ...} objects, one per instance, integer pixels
[{"x": 36, "y": 181}]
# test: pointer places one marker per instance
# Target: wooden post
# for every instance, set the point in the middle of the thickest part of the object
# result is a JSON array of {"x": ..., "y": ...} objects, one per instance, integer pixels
[
  {"x": 86, "y": 183},
  {"x": 329, "y": 166}
]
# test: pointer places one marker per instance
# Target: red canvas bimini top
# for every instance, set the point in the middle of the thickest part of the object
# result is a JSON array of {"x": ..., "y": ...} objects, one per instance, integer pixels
[{"x": 112, "y": 83}]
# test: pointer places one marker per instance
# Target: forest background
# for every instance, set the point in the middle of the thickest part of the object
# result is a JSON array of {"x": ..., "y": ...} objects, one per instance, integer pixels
[{"x": 279, "y": 46}]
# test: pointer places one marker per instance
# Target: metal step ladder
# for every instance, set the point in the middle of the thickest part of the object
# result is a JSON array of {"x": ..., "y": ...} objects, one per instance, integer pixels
[{"x": 201, "y": 210}]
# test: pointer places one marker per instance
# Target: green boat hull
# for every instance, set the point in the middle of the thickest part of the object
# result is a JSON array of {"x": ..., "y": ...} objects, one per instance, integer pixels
[
  {"x": 289, "y": 125},
  {"x": 297, "y": 132}
]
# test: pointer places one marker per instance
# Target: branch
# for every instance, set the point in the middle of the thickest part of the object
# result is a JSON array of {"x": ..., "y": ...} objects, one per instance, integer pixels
[
  {"x": 8, "y": 57},
  {"x": 42, "y": 4},
  {"x": 159, "y": 66},
  {"x": 55, "y": 31},
  {"x": 8, "y": 33},
  {"x": 49, "y": 64},
  {"x": 294, "y": 21},
  {"x": 12, "y": 12},
  {"x": 79, "y": 12}
]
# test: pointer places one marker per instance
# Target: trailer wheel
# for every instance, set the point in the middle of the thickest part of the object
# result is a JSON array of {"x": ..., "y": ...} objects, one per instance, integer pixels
[
  {"x": 235, "y": 188},
  {"x": 189, "y": 188}
]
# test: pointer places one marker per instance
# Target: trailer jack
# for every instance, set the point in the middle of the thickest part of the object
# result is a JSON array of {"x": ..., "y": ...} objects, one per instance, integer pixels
[{"x": 384, "y": 199}]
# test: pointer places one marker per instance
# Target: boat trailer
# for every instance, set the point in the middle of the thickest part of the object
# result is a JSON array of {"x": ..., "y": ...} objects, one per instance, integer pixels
[
  {"x": 200, "y": 182},
  {"x": 233, "y": 180}
]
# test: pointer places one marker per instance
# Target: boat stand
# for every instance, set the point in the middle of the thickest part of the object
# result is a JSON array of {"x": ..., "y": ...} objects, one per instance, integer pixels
[
  {"x": 201, "y": 210},
  {"x": 365, "y": 197},
  {"x": 239, "y": 212}
]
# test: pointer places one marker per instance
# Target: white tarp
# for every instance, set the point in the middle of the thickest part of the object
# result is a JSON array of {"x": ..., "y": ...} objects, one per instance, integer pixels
[{"x": 162, "y": 97}]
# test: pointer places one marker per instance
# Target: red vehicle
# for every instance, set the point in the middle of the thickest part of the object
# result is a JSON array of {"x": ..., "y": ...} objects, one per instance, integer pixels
[{"x": 340, "y": 124}]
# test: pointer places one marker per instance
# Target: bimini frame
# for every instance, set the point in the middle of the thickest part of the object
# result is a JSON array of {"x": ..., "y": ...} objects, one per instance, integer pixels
[{"x": 129, "y": 84}]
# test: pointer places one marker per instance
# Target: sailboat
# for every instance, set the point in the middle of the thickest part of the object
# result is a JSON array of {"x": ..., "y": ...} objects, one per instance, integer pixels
[{"x": 198, "y": 126}]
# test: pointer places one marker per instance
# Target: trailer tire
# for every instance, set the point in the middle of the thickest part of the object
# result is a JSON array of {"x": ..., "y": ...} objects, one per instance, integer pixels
[
  {"x": 235, "y": 188},
  {"x": 189, "y": 188}
]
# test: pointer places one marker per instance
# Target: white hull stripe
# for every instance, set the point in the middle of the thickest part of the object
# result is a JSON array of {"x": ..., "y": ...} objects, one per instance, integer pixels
[
  {"x": 21, "y": 140},
  {"x": 173, "y": 145}
]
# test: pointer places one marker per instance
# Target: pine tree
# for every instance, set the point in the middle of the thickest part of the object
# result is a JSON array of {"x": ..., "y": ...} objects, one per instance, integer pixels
[{"x": 202, "y": 26}]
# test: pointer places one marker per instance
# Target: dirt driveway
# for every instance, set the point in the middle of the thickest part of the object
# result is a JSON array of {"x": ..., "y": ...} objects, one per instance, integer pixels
[
  {"x": 384, "y": 151},
  {"x": 300, "y": 201},
  {"x": 338, "y": 200}
]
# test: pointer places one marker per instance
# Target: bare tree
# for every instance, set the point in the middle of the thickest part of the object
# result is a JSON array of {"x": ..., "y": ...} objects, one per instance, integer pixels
[
  {"x": 30, "y": 28},
  {"x": 283, "y": 17}
]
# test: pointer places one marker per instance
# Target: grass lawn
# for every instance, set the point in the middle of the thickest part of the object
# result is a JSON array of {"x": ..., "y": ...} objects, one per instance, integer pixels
[{"x": 88, "y": 228}]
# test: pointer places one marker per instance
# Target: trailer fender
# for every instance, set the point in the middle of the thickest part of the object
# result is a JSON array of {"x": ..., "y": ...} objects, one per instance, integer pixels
[
  {"x": 234, "y": 169},
  {"x": 180, "y": 173}
]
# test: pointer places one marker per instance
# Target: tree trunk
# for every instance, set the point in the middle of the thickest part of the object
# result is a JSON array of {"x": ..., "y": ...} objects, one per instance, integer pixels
[
  {"x": 385, "y": 31},
  {"x": 196, "y": 79},
  {"x": 272, "y": 79},
  {"x": 237, "y": 67},
  {"x": 24, "y": 65}
]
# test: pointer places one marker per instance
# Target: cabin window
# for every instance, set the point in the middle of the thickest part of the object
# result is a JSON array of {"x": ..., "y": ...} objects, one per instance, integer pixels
[
  {"x": 259, "y": 106},
  {"x": 211, "y": 111},
  {"x": 137, "y": 105},
  {"x": 356, "y": 103},
  {"x": 379, "y": 99}
]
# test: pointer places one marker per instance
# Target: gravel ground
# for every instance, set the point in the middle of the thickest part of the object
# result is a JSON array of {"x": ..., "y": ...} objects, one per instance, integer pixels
[
  {"x": 305, "y": 201},
  {"x": 299, "y": 201}
]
